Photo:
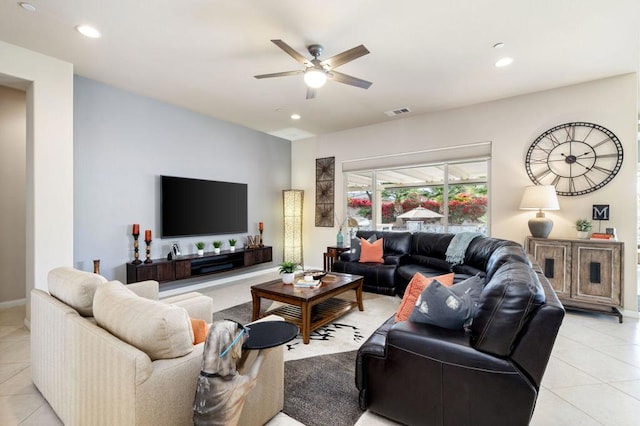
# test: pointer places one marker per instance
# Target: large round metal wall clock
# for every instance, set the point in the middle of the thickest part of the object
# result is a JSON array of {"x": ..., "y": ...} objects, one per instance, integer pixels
[{"x": 576, "y": 158}]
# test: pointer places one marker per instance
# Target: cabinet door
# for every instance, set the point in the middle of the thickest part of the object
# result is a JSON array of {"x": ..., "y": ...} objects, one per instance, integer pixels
[
  {"x": 255, "y": 256},
  {"x": 597, "y": 273},
  {"x": 166, "y": 272},
  {"x": 183, "y": 269},
  {"x": 554, "y": 258},
  {"x": 146, "y": 272}
]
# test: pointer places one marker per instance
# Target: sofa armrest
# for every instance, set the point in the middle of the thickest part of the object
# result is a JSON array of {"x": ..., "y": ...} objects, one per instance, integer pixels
[
  {"x": 148, "y": 289},
  {"x": 197, "y": 305},
  {"x": 349, "y": 257}
]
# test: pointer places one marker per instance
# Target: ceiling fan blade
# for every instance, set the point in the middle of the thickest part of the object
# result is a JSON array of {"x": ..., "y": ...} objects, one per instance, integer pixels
[
  {"x": 291, "y": 52},
  {"x": 346, "y": 56},
  {"x": 279, "y": 74},
  {"x": 311, "y": 92},
  {"x": 347, "y": 79}
]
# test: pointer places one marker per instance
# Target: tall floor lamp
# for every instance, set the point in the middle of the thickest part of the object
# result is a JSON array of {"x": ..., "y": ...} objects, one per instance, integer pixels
[{"x": 292, "y": 203}]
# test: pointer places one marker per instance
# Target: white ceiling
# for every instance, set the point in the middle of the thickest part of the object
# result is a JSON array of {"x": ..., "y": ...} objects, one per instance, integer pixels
[{"x": 426, "y": 55}]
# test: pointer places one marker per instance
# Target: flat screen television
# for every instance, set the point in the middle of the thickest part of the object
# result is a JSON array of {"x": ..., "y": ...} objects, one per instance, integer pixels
[{"x": 202, "y": 207}]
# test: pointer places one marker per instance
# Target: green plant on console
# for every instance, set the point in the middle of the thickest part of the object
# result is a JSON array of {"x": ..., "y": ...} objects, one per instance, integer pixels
[
  {"x": 583, "y": 225},
  {"x": 199, "y": 245},
  {"x": 217, "y": 244},
  {"x": 232, "y": 242},
  {"x": 288, "y": 267}
]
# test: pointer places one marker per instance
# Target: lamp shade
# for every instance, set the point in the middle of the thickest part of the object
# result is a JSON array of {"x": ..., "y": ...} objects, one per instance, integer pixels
[
  {"x": 315, "y": 78},
  {"x": 539, "y": 197},
  {"x": 292, "y": 210}
]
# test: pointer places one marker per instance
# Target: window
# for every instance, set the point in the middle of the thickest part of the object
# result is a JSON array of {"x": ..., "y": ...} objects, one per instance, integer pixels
[{"x": 443, "y": 197}]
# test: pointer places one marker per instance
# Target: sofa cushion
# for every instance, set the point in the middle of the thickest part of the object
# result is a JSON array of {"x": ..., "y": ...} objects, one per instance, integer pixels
[
  {"x": 417, "y": 284},
  {"x": 371, "y": 252},
  {"x": 200, "y": 330},
  {"x": 507, "y": 300},
  {"x": 448, "y": 307},
  {"x": 355, "y": 246},
  {"x": 160, "y": 330},
  {"x": 75, "y": 288}
]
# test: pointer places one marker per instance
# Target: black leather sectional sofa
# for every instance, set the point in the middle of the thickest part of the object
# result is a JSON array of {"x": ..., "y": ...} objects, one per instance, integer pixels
[
  {"x": 488, "y": 374},
  {"x": 405, "y": 254}
]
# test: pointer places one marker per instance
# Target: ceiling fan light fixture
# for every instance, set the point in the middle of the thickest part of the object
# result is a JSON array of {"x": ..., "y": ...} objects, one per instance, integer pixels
[{"x": 315, "y": 78}]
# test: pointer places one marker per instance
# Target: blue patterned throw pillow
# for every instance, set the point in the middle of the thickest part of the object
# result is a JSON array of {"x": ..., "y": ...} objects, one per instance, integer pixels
[{"x": 448, "y": 307}]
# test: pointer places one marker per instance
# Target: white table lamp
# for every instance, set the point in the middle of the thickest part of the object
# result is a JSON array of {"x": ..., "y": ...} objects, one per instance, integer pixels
[{"x": 540, "y": 197}]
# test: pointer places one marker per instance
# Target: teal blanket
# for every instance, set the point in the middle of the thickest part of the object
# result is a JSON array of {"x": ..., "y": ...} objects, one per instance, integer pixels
[{"x": 458, "y": 246}]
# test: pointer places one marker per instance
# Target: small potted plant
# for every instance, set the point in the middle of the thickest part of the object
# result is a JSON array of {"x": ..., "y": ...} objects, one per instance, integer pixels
[
  {"x": 216, "y": 246},
  {"x": 288, "y": 269},
  {"x": 200, "y": 247},
  {"x": 583, "y": 226},
  {"x": 232, "y": 244}
]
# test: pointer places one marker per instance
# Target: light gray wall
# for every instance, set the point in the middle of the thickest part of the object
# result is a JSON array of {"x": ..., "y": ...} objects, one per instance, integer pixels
[
  {"x": 123, "y": 142},
  {"x": 13, "y": 149}
]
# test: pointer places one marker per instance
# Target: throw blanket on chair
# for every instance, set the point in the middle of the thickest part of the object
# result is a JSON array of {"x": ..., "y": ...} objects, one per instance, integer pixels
[{"x": 458, "y": 246}]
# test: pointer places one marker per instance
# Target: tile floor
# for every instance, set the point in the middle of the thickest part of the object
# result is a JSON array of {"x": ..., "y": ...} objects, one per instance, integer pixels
[{"x": 593, "y": 377}]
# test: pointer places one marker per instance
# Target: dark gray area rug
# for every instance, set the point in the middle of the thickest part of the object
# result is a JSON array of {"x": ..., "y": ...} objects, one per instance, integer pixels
[{"x": 321, "y": 390}]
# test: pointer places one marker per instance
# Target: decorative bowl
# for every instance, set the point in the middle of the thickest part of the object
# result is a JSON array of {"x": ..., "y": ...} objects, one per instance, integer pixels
[{"x": 317, "y": 274}]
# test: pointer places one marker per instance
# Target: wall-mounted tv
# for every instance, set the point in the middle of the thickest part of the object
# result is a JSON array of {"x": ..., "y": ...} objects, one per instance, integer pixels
[{"x": 202, "y": 207}]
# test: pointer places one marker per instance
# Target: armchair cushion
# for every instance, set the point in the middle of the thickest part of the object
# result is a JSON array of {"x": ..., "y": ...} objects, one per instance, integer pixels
[
  {"x": 448, "y": 307},
  {"x": 74, "y": 288},
  {"x": 160, "y": 330},
  {"x": 417, "y": 284}
]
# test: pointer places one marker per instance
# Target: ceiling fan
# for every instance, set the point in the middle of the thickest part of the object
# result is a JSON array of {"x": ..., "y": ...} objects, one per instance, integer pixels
[{"x": 317, "y": 72}]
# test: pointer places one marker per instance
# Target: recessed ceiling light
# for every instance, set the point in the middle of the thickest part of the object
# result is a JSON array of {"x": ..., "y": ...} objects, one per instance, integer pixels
[
  {"x": 295, "y": 116},
  {"x": 88, "y": 31},
  {"x": 498, "y": 45},
  {"x": 504, "y": 62},
  {"x": 27, "y": 6}
]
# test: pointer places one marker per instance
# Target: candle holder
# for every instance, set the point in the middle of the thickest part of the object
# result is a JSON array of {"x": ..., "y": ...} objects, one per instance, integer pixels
[
  {"x": 148, "y": 259},
  {"x": 136, "y": 254},
  {"x": 96, "y": 266},
  {"x": 261, "y": 244}
]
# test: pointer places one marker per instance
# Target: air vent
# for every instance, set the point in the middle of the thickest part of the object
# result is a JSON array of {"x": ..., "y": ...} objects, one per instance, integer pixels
[{"x": 398, "y": 111}]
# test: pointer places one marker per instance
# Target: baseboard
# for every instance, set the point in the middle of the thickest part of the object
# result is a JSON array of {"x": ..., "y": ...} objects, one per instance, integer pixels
[{"x": 12, "y": 303}]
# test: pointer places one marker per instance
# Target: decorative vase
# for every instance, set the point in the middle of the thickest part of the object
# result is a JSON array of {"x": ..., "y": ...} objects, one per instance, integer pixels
[
  {"x": 200, "y": 252},
  {"x": 232, "y": 248},
  {"x": 583, "y": 235},
  {"x": 340, "y": 238},
  {"x": 288, "y": 278},
  {"x": 216, "y": 250}
]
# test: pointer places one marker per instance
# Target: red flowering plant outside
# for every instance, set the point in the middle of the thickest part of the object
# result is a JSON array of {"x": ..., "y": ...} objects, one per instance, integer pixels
[{"x": 466, "y": 208}]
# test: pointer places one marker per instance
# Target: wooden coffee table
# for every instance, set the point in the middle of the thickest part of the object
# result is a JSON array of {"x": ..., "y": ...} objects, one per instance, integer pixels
[{"x": 309, "y": 309}]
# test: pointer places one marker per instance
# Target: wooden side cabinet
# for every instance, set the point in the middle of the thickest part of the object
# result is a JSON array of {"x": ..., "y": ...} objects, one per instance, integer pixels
[{"x": 585, "y": 274}]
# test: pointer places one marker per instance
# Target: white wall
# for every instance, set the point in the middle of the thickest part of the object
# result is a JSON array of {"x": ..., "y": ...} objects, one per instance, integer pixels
[
  {"x": 13, "y": 147},
  {"x": 49, "y": 196},
  {"x": 511, "y": 125},
  {"x": 124, "y": 142}
]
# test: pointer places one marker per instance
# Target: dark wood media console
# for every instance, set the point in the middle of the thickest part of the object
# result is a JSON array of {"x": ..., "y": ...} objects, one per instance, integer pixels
[{"x": 191, "y": 266}]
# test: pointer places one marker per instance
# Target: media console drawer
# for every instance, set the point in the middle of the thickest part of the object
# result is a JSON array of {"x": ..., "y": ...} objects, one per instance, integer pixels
[{"x": 191, "y": 266}]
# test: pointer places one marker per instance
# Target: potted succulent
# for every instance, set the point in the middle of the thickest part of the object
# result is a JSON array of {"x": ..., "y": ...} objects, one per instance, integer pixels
[
  {"x": 200, "y": 247},
  {"x": 288, "y": 269},
  {"x": 216, "y": 246},
  {"x": 583, "y": 226},
  {"x": 232, "y": 244}
]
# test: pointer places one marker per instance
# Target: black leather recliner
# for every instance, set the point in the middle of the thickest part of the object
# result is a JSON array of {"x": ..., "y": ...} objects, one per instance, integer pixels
[{"x": 418, "y": 374}]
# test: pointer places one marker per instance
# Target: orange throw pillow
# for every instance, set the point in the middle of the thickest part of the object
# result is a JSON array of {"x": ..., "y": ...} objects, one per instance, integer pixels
[
  {"x": 200, "y": 330},
  {"x": 417, "y": 284},
  {"x": 371, "y": 252}
]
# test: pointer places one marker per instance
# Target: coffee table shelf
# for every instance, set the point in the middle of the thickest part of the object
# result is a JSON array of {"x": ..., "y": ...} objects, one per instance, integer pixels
[{"x": 321, "y": 314}]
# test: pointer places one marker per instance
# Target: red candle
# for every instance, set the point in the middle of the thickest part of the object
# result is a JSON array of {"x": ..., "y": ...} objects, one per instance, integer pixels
[
  {"x": 261, "y": 226},
  {"x": 136, "y": 229},
  {"x": 147, "y": 235}
]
